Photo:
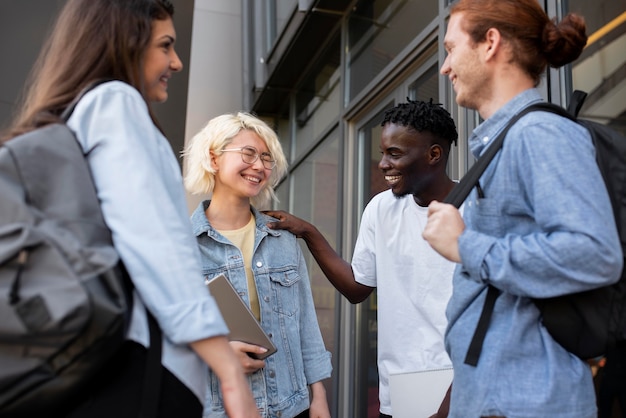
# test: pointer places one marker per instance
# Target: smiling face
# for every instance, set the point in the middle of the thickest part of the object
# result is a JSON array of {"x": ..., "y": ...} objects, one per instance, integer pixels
[
  {"x": 463, "y": 65},
  {"x": 236, "y": 177},
  {"x": 405, "y": 159},
  {"x": 161, "y": 60}
]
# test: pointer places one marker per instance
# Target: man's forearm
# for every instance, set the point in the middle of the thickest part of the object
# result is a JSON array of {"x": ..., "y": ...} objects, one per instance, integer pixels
[{"x": 336, "y": 269}]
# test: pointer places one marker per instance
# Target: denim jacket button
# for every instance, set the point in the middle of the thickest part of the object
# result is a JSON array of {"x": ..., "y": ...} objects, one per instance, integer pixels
[{"x": 259, "y": 264}]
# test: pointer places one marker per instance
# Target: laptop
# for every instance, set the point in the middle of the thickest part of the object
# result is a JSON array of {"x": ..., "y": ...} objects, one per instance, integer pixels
[
  {"x": 418, "y": 394},
  {"x": 240, "y": 320}
]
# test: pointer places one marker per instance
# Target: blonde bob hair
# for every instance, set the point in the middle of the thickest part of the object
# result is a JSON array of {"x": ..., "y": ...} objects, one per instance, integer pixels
[{"x": 216, "y": 136}]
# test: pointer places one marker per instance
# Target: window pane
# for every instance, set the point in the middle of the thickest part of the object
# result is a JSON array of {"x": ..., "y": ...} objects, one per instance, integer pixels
[
  {"x": 278, "y": 14},
  {"x": 378, "y": 30},
  {"x": 372, "y": 180},
  {"x": 318, "y": 100},
  {"x": 283, "y": 132},
  {"x": 315, "y": 188},
  {"x": 426, "y": 87},
  {"x": 601, "y": 69}
]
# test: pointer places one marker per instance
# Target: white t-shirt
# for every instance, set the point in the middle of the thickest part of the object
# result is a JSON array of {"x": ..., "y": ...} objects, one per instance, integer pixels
[{"x": 414, "y": 284}]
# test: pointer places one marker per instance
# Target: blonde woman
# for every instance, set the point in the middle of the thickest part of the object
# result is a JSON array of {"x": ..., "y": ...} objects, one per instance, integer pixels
[{"x": 238, "y": 160}]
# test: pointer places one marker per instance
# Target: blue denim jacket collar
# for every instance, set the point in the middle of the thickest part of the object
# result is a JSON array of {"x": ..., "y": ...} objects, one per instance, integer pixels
[{"x": 201, "y": 225}]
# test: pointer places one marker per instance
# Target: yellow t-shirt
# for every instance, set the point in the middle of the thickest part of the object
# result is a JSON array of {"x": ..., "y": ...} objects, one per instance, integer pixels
[{"x": 243, "y": 238}]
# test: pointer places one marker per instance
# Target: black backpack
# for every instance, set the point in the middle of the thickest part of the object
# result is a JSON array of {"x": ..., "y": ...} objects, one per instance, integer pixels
[
  {"x": 65, "y": 297},
  {"x": 588, "y": 323}
]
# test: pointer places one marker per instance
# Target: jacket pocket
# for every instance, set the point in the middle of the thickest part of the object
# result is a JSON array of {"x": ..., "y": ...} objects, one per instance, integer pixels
[{"x": 285, "y": 291}]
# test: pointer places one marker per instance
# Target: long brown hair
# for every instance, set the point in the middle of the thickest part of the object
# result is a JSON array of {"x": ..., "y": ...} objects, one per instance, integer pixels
[
  {"x": 91, "y": 40},
  {"x": 535, "y": 39}
]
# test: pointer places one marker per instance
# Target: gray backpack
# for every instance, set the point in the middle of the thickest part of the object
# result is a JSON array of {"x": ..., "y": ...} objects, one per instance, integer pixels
[{"x": 65, "y": 298}]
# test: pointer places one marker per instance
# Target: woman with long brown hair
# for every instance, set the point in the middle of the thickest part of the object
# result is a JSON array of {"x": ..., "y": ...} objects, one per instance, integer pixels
[{"x": 139, "y": 184}]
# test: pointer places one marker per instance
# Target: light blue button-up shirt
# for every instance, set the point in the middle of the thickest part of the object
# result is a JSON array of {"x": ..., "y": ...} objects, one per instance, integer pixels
[
  {"x": 139, "y": 184},
  {"x": 543, "y": 228}
]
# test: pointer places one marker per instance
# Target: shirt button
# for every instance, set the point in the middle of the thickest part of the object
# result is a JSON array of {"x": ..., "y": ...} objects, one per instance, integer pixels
[
  {"x": 266, "y": 298},
  {"x": 270, "y": 335},
  {"x": 485, "y": 139},
  {"x": 259, "y": 264}
]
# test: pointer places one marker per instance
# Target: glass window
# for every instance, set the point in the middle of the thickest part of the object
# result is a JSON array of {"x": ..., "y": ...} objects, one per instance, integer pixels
[
  {"x": 371, "y": 182},
  {"x": 278, "y": 14},
  {"x": 601, "y": 69},
  {"x": 315, "y": 189},
  {"x": 426, "y": 87},
  {"x": 318, "y": 99},
  {"x": 283, "y": 130},
  {"x": 377, "y": 31}
]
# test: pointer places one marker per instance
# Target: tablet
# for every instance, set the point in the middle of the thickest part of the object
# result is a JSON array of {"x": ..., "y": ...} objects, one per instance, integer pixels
[{"x": 240, "y": 320}]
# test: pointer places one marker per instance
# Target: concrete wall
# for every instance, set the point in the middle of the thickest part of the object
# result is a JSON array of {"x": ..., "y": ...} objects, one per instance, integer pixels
[
  {"x": 215, "y": 76},
  {"x": 23, "y": 27},
  {"x": 24, "y": 24}
]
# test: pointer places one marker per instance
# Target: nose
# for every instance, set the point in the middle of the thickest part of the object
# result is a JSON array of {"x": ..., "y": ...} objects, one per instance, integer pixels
[
  {"x": 445, "y": 67},
  {"x": 383, "y": 164},
  {"x": 258, "y": 164},
  {"x": 176, "y": 64}
]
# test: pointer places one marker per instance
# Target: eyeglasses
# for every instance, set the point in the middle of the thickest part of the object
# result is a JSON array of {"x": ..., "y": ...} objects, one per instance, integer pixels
[{"x": 249, "y": 155}]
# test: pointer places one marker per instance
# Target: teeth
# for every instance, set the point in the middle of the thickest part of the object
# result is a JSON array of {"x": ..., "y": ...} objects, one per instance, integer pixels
[
  {"x": 253, "y": 179},
  {"x": 392, "y": 179}
]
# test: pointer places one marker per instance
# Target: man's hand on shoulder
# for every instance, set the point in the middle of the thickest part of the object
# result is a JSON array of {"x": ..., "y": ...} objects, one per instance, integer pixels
[{"x": 288, "y": 222}]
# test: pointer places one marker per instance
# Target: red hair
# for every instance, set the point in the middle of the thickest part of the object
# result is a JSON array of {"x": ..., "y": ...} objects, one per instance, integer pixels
[{"x": 536, "y": 40}]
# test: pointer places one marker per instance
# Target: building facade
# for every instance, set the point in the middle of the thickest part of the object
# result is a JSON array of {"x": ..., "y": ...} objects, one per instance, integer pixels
[{"x": 323, "y": 72}]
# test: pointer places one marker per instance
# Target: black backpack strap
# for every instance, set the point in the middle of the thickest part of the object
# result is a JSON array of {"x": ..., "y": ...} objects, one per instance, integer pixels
[
  {"x": 576, "y": 102},
  {"x": 476, "y": 345}
]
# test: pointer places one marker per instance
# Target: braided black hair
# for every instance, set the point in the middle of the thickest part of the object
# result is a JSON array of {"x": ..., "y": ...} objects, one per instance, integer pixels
[{"x": 423, "y": 116}]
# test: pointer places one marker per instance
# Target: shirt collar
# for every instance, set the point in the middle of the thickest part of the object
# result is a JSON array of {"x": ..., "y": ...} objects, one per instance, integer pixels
[
  {"x": 490, "y": 128},
  {"x": 201, "y": 225}
]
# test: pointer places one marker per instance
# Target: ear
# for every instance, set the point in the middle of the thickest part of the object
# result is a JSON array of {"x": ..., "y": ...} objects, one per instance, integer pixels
[
  {"x": 435, "y": 153},
  {"x": 213, "y": 160},
  {"x": 493, "y": 43}
]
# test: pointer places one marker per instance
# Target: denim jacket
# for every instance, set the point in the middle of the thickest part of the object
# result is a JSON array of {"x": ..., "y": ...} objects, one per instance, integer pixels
[{"x": 288, "y": 315}]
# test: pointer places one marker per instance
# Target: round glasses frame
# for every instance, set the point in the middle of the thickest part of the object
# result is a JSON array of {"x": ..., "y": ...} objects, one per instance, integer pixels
[{"x": 249, "y": 155}]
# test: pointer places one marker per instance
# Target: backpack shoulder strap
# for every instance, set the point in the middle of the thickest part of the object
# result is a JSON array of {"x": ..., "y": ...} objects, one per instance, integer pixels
[
  {"x": 476, "y": 345},
  {"x": 576, "y": 102}
]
